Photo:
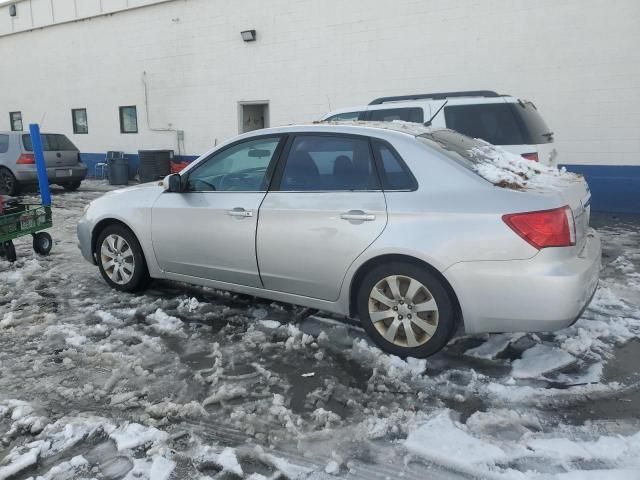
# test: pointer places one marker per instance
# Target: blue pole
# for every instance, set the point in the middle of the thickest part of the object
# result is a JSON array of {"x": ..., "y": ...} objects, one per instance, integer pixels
[{"x": 43, "y": 181}]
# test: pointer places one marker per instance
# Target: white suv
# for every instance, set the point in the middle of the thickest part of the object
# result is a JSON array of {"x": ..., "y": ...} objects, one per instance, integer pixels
[{"x": 503, "y": 120}]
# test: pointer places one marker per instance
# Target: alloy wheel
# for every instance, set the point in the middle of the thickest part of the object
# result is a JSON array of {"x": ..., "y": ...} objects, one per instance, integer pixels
[
  {"x": 403, "y": 311},
  {"x": 117, "y": 259}
]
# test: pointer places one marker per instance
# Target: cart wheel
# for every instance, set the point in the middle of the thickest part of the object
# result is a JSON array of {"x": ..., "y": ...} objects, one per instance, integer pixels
[
  {"x": 9, "y": 251},
  {"x": 42, "y": 243}
]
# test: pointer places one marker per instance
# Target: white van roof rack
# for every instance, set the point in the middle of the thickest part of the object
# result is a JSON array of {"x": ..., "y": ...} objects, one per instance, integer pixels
[{"x": 436, "y": 96}]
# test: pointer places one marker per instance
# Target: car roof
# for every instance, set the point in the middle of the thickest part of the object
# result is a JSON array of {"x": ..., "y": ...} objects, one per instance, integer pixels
[{"x": 350, "y": 126}]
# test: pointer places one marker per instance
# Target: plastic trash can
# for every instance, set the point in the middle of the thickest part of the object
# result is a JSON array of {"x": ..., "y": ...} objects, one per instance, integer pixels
[{"x": 118, "y": 171}]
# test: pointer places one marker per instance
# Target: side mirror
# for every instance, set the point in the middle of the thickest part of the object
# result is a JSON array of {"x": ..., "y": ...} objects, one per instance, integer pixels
[{"x": 172, "y": 183}]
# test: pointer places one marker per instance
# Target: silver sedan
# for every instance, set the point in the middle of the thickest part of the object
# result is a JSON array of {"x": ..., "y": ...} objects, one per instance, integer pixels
[{"x": 415, "y": 231}]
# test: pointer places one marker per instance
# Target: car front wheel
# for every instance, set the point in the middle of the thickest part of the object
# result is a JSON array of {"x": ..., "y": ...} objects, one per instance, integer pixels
[
  {"x": 406, "y": 310},
  {"x": 120, "y": 259}
]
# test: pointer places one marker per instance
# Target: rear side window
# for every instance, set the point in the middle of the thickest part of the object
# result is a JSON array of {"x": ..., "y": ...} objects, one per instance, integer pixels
[
  {"x": 395, "y": 174},
  {"x": 51, "y": 142},
  {"x": 322, "y": 163},
  {"x": 499, "y": 123},
  {"x": 341, "y": 117},
  {"x": 4, "y": 143},
  {"x": 414, "y": 115}
]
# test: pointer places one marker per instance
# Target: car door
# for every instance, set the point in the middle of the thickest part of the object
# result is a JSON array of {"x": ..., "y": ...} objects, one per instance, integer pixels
[
  {"x": 209, "y": 229},
  {"x": 324, "y": 209}
]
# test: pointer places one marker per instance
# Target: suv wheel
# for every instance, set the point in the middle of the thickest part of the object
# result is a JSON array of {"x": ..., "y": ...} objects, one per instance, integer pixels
[
  {"x": 120, "y": 259},
  {"x": 8, "y": 183},
  {"x": 406, "y": 310}
]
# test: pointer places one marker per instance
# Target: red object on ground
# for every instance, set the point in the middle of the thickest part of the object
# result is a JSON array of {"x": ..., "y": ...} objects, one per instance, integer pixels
[
  {"x": 178, "y": 167},
  {"x": 1, "y": 205}
]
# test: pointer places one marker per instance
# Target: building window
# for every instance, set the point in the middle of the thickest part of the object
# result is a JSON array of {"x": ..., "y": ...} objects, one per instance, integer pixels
[
  {"x": 16, "y": 121},
  {"x": 79, "y": 117},
  {"x": 128, "y": 120}
]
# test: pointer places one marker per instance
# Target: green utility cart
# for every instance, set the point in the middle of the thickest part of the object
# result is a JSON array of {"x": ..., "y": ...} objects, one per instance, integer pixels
[{"x": 21, "y": 220}]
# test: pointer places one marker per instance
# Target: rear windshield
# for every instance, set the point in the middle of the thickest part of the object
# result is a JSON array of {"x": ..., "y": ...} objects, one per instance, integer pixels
[
  {"x": 456, "y": 146},
  {"x": 499, "y": 123},
  {"x": 50, "y": 142}
]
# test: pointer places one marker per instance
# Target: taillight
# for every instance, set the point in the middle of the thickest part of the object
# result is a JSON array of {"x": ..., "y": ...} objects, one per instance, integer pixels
[
  {"x": 26, "y": 159},
  {"x": 531, "y": 156},
  {"x": 546, "y": 228}
]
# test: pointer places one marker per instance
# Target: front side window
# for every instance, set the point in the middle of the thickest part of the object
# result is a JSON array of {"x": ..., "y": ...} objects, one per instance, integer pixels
[
  {"x": 344, "y": 117},
  {"x": 323, "y": 163},
  {"x": 240, "y": 168},
  {"x": 80, "y": 124},
  {"x": 414, "y": 114},
  {"x": 128, "y": 120},
  {"x": 15, "y": 119}
]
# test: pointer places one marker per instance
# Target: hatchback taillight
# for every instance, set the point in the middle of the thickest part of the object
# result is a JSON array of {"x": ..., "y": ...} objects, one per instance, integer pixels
[
  {"x": 545, "y": 228},
  {"x": 26, "y": 159},
  {"x": 531, "y": 156}
]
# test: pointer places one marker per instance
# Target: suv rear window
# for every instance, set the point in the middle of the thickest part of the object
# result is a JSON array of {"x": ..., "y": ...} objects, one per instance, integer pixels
[
  {"x": 499, "y": 123},
  {"x": 50, "y": 142}
]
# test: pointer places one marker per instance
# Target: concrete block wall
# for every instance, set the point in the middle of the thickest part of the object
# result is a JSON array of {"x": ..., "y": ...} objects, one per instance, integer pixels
[{"x": 578, "y": 60}]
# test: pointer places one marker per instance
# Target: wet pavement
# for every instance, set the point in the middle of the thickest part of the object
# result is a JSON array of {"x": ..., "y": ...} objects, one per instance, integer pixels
[{"x": 290, "y": 393}]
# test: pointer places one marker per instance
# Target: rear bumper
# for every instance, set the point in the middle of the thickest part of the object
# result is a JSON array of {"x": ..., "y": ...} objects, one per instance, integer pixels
[
  {"x": 544, "y": 293},
  {"x": 55, "y": 175}
]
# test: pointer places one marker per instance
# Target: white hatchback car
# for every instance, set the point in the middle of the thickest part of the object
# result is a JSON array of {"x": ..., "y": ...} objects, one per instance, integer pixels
[{"x": 503, "y": 120}]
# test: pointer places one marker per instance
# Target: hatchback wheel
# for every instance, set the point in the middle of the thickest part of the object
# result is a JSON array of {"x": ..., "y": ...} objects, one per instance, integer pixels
[
  {"x": 8, "y": 183},
  {"x": 406, "y": 310},
  {"x": 120, "y": 259},
  {"x": 72, "y": 186}
]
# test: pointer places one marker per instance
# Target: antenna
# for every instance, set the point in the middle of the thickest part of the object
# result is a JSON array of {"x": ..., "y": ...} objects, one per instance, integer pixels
[{"x": 428, "y": 123}]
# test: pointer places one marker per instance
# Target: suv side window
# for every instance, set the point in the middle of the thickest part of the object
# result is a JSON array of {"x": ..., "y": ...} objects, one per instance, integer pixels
[
  {"x": 413, "y": 114},
  {"x": 341, "y": 117},
  {"x": 239, "y": 168},
  {"x": 395, "y": 173},
  {"x": 329, "y": 163}
]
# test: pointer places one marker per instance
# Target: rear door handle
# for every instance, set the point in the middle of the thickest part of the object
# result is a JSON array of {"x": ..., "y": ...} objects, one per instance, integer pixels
[
  {"x": 358, "y": 215},
  {"x": 240, "y": 212}
]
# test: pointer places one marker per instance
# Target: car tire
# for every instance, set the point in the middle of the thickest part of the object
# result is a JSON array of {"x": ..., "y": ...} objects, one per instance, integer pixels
[
  {"x": 416, "y": 317},
  {"x": 42, "y": 243},
  {"x": 8, "y": 182},
  {"x": 120, "y": 259},
  {"x": 72, "y": 186}
]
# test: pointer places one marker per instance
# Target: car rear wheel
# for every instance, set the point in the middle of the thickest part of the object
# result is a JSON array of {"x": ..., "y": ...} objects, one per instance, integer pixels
[
  {"x": 406, "y": 310},
  {"x": 120, "y": 259},
  {"x": 8, "y": 183},
  {"x": 72, "y": 186}
]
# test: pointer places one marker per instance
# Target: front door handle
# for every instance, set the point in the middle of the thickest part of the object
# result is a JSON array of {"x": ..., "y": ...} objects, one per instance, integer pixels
[
  {"x": 358, "y": 215},
  {"x": 240, "y": 212}
]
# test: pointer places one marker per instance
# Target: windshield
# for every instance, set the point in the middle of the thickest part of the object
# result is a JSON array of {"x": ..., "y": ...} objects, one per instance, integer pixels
[{"x": 456, "y": 146}]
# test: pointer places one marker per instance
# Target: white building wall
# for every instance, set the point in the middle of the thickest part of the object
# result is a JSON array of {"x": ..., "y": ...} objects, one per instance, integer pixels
[{"x": 579, "y": 60}]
